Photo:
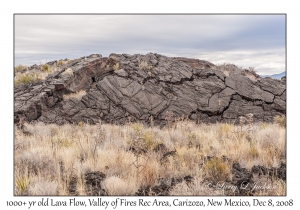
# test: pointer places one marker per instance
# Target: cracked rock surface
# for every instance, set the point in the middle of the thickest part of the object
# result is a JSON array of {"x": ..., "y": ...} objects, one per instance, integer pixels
[{"x": 125, "y": 87}]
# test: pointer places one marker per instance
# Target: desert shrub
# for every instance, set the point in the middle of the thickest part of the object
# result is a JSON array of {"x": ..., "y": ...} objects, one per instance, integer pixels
[
  {"x": 217, "y": 170},
  {"x": 149, "y": 142},
  {"x": 20, "y": 67},
  {"x": 137, "y": 128},
  {"x": 116, "y": 66},
  {"x": 45, "y": 68},
  {"x": 280, "y": 120},
  {"x": 26, "y": 79},
  {"x": 192, "y": 136},
  {"x": 146, "y": 138},
  {"x": 60, "y": 63}
]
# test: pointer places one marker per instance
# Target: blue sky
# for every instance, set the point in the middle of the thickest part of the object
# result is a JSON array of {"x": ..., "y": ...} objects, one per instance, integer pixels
[{"x": 245, "y": 40}]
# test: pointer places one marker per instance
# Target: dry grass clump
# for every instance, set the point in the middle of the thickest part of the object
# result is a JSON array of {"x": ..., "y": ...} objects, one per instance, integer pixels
[
  {"x": 45, "y": 68},
  {"x": 217, "y": 170},
  {"x": 117, "y": 186},
  {"x": 21, "y": 185},
  {"x": 25, "y": 78},
  {"x": 20, "y": 68},
  {"x": 144, "y": 66},
  {"x": 116, "y": 66},
  {"x": 78, "y": 95},
  {"x": 30, "y": 76},
  {"x": 46, "y": 161},
  {"x": 229, "y": 69},
  {"x": 280, "y": 120},
  {"x": 60, "y": 63},
  {"x": 43, "y": 187}
]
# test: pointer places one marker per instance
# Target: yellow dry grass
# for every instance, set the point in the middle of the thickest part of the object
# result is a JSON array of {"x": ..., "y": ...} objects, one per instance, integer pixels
[{"x": 40, "y": 157}]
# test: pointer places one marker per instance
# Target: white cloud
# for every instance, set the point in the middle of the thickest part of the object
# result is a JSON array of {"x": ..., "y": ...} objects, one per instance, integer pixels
[{"x": 243, "y": 39}]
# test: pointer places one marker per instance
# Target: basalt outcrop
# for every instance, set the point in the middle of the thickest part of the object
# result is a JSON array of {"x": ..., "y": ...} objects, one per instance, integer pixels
[{"x": 122, "y": 88}]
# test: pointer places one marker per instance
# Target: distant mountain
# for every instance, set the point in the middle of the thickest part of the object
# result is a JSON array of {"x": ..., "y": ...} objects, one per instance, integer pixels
[{"x": 275, "y": 76}]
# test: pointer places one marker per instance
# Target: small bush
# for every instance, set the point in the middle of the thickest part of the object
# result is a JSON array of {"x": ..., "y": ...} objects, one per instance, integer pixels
[
  {"x": 20, "y": 67},
  {"x": 280, "y": 120},
  {"x": 217, "y": 170},
  {"x": 45, "y": 68},
  {"x": 60, "y": 63},
  {"x": 26, "y": 79},
  {"x": 137, "y": 129},
  {"x": 149, "y": 142}
]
